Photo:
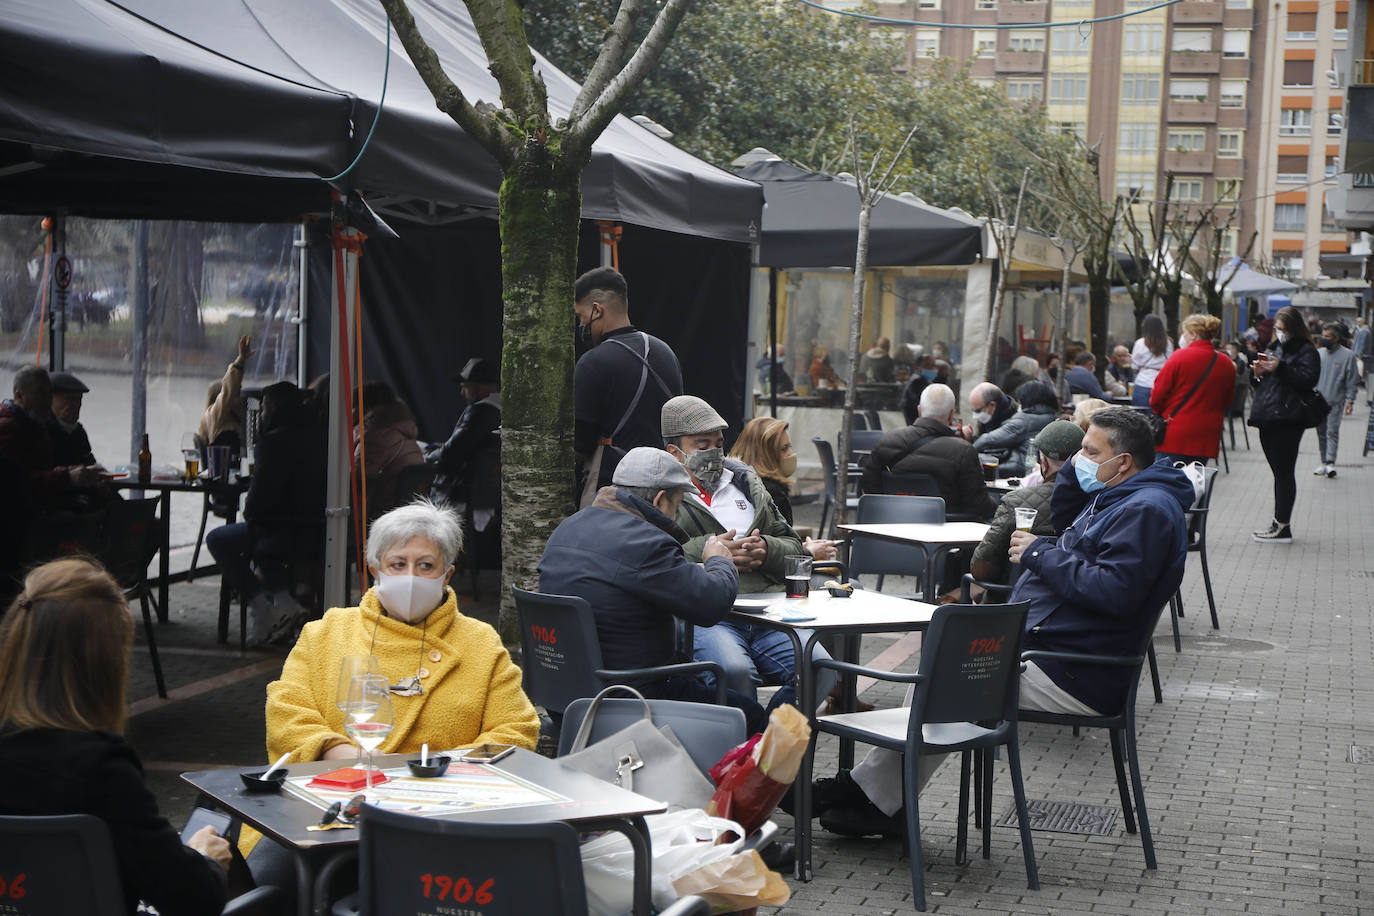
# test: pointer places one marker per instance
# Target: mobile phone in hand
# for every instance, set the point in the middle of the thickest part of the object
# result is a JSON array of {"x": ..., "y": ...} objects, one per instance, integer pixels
[{"x": 204, "y": 817}]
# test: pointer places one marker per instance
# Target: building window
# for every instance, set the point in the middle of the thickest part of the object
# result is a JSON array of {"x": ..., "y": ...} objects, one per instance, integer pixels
[
  {"x": 1142, "y": 39},
  {"x": 1135, "y": 184},
  {"x": 928, "y": 4},
  {"x": 1295, "y": 122},
  {"x": 1186, "y": 190},
  {"x": 1069, "y": 41},
  {"x": 1066, "y": 90},
  {"x": 1228, "y": 144},
  {"x": 1334, "y": 119},
  {"x": 1235, "y": 43},
  {"x": 1237, "y": 4},
  {"x": 1192, "y": 40},
  {"x": 1297, "y": 73},
  {"x": 1187, "y": 141},
  {"x": 1290, "y": 217},
  {"x": 1137, "y": 139},
  {"x": 1232, "y": 94},
  {"x": 1226, "y": 247},
  {"x": 984, "y": 42},
  {"x": 1292, "y": 169},
  {"x": 1228, "y": 189},
  {"x": 1187, "y": 90},
  {"x": 1026, "y": 40},
  {"x": 927, "y": 42},
  {"x": 1302, "y": 26},
  {"x": 1025, "y": 89},
  {"x": 1341, "y": 33},
  {"x": 985, "y": 5},
  {"x": 1332, "y": 167},
  {"x": 1139, "y": 89}
]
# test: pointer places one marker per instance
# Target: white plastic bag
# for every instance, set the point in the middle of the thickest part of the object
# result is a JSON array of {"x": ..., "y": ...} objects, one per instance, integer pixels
[
  {"x": 682, "y": 842},
  {"x": 1197, "y": 476}
]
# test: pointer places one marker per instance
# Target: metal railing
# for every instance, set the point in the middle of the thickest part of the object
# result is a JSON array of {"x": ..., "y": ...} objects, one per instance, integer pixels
[{"x": 1364, "y": 73}]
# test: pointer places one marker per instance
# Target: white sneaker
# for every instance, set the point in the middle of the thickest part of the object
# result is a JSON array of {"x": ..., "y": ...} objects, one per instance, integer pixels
[
  {"x": 1330, "y": 470},
  {"x": 1319, "y": 471}
]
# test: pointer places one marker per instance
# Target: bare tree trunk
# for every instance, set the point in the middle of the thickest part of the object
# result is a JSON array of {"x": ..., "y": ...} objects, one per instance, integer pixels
[
  {"x": 856, "y": 320},
  {"x": 1006, "y": 245},
  {"x": 1062, "y": 383}
]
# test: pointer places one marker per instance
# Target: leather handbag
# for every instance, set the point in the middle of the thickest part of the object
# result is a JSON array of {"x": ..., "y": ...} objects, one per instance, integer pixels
[
  {"x": 1314, "y": 408},
  {"x": 643, "y": 758}
]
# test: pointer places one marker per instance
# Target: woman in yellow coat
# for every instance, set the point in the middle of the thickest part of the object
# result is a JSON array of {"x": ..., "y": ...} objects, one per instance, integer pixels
[{"x": 453, "y": 683}]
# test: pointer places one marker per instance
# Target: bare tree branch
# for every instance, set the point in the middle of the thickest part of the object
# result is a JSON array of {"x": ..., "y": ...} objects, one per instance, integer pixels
[
  {"x": 584, "y": 129},
  {"x": 448, "y": 98},
  {"x": 610, "y": 59}
]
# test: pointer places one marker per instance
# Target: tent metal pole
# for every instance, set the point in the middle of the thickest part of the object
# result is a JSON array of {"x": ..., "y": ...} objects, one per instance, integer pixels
[
  {"x": 60, "y": 293},
  {"x": 772, "y": 339},
  {"x": 302, "y": 320},
  {"x": 340, "y": 441},
  {"x": 139, "y": 306}
]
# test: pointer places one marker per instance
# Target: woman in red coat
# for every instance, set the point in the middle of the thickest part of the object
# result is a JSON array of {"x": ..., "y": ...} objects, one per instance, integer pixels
[{"x": 1194, "y": 431}]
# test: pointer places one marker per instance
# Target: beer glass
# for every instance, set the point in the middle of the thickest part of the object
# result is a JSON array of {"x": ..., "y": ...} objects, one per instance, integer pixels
[{"x": 797, "y": 573}]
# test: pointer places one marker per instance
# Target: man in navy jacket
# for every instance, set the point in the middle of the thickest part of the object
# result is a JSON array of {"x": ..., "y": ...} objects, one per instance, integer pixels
[
  {"x": 1096, "y": 589},
  {"x": 623, "y": 555}
]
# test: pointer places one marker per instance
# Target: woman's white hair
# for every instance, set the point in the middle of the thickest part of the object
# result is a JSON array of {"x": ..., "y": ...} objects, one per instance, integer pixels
[{"x": 420, "y": 518}]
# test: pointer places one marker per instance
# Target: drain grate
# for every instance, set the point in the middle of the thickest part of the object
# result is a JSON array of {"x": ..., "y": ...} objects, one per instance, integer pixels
[
  {"x": 1361, "y": 753},
  {"x": 1066, "y": 817}
]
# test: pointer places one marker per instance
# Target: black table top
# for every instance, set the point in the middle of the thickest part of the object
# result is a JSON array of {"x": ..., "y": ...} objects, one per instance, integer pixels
[{"x": 284, "y": 817}]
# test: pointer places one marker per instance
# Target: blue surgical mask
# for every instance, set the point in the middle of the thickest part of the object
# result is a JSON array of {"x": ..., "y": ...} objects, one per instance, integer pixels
[
  {"x": 928, "y": 374},
  {"x": 1086, "y": 469}
]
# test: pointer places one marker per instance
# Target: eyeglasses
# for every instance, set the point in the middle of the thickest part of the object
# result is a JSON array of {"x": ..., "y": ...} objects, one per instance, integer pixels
[{"x": 344, "y": 812}]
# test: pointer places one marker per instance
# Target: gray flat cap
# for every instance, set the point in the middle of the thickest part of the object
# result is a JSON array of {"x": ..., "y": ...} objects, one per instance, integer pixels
[
  {"x": 1059, "y": 439},
  {"x": 65, "y": 381},
  {"x": 687, "y": 415},
  {"x": 651, "y": 467}
]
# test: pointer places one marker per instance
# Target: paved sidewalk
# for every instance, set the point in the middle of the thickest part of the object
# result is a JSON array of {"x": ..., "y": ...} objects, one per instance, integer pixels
[{"x": 1253, "y": 798}]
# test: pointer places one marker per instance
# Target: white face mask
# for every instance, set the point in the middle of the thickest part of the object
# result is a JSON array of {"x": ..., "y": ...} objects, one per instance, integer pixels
[
  {"x": 984, "y": 417},
  {"x": 1282, "y": 336},
  {"x": 411, "y": 598}
]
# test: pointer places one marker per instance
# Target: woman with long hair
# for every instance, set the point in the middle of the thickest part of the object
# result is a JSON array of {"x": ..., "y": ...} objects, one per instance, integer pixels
[
  {"x": 1193, "y": 391},
  {"x": 64, "y": 663},
  {"x": 1283, "y": 375},
  {"x": 1151, "y": 351},
  {"x": 765, "y": 445}
]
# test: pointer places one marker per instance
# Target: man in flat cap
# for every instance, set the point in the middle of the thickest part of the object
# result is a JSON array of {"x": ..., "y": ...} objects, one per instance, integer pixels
[
  {"x": 26, "y": 444},
  {"x": 728, "y": 501},
  {"x": 623, "y": 555},
  {"x": 70, "y": 443},
  {"x": 474, "y": 435}
]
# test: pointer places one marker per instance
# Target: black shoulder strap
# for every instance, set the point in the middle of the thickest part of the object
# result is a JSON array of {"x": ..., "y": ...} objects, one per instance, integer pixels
[
  {"x": 643, "y": 377},
  {"x": 1196, "y": 385}
]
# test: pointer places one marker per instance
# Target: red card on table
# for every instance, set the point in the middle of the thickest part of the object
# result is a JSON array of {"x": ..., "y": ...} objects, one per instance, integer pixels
[{"x": 346, "y": 779}]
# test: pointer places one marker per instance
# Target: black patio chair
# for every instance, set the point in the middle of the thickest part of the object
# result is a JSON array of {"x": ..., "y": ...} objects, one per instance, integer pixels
[
  {"x": 67, "y": 865},
  {"x": 965, "y": 700},
  {"x": 830, "y": 478},
  {"x": 1197, "y": 543},
  {"x": 871, "y": 556},
  {"x": 131, "y": 538}
]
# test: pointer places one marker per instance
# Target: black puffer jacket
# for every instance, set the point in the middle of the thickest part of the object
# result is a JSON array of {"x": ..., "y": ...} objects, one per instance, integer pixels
[
  {"x": 930, "y": 447},
  {"x": 1278, "y": 395}
]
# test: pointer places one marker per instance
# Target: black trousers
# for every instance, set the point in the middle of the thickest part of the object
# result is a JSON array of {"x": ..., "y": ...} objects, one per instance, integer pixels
[{"x": 1280, "y": 444}]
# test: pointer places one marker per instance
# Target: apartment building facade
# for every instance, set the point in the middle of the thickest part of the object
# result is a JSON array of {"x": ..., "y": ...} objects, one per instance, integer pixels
[{"x": 1231, "y": 97}]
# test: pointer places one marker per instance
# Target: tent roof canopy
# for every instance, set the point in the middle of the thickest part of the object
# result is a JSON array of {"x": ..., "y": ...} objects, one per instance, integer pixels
[
  {"x": 811, "y": 219},
  {"x": 1250, "y": 282},
  {"x": 158, "y": 108}
]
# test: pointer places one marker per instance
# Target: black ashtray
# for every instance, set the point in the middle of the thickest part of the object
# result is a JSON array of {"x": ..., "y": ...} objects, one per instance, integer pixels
[
  {"x": 254, "y": 782},
  {"x": 437, "y": 766},
  {"x": 840, "y": 591}
]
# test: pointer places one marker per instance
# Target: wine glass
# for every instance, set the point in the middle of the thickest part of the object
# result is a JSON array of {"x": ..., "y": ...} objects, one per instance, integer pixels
[
  {"x": 350, "y": 667},
  {"x": 369, "y": 716}
]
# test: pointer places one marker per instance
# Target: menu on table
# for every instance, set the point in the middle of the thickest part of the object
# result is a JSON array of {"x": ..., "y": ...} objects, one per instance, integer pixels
[{"x": 465, "y": 787}]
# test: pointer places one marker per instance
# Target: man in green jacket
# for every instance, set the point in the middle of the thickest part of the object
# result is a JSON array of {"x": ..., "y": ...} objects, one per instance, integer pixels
[{"x": 730, "y": 502}]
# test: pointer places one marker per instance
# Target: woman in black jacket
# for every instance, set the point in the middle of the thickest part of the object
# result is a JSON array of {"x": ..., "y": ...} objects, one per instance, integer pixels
[
  {"x": 1283, "y": 375},
  {"x": 64, "y": 657}
]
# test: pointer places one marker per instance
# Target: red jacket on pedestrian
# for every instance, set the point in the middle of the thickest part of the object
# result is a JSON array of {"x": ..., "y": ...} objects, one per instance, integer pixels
[{"x": 1196, "y": 430}]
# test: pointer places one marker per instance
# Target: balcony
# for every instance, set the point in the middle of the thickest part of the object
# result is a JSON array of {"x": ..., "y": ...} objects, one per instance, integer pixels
[
  {"x": 1020, "y": 11},
  {"x": 1198, "y": 12},
  {"x": 1192, "y": 162},
  {"x": 1233, "y": 167},
  {"x": 1020, "y": 61},
  {"x": 1181, "y": 112},
  {"x": 1363, "y": 73},
  {"x": 1195, "y": 62}
]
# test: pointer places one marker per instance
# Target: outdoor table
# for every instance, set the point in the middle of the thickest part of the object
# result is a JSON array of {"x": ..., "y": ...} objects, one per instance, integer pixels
[
  {"x": 165, "y": 489},
  {"x": 590, "y": 804},
  {"x": 821, "y": 613},
  {"x": 935, "y": 540},
  {"x": 1003, "y": 485}
]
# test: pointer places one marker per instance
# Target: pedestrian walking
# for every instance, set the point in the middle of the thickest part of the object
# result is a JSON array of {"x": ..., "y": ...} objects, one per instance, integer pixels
[
  {"x": 1283, "y": 375},
  {"x": 1339, "y": 383}
]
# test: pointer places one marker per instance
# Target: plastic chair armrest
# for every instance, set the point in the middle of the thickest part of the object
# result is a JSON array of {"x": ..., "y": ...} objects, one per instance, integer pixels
[
  {"x": 663, "y": 671},
  {"x": 1114, "y": 661},
  {"x": 845, "y": 667},
  {"x": 260, "y": 901},
  {"x": 966, "y": 590}
]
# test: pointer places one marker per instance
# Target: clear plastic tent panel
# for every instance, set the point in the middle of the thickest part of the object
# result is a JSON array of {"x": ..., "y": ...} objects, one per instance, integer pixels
[{"x": 208, "y": 284}]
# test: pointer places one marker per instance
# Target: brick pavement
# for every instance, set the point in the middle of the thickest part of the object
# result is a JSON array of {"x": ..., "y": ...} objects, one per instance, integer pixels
[{"x": 1254, "y": 803}]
